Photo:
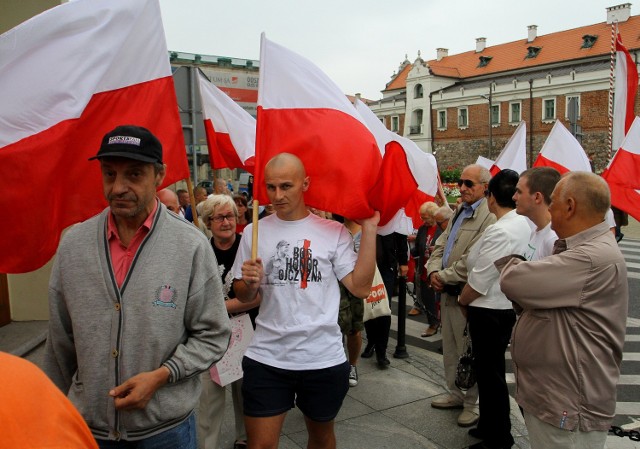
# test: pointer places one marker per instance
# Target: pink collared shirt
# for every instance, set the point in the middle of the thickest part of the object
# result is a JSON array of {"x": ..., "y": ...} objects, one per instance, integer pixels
[{"x": 122, "y": 256}]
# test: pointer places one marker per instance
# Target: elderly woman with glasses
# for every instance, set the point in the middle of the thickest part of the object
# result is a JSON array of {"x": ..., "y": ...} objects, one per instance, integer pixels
[
  {"x": 490, "y": 314},
  {"x": 220, "y": 214}
]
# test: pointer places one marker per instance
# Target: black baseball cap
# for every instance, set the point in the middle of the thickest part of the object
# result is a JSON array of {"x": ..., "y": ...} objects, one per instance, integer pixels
[{"x": 131, "y": 142}]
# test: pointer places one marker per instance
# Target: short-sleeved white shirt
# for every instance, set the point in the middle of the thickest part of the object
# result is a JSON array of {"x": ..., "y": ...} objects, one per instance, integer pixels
[
  {"x": 297, "y": 326},
  {"x": 508, "y": 235},
  {"x": 540, "y": 243}
]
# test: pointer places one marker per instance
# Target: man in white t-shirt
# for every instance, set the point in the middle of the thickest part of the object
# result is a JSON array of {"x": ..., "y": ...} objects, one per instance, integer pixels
[
  {"x": 296, "y": 356},
  {"x": 532, "y": 198}
]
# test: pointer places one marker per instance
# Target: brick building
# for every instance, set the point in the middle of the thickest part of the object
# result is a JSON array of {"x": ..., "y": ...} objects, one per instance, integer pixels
[{"x": 465, "y": 105}]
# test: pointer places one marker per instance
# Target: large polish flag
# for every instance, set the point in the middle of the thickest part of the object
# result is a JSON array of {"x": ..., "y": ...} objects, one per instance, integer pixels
[
  {"x": 485, "y": 162},
  {"x": 623, "y": 173},
  {"x": 68, "y": 76},
  {"x": 626, "y": 88},
  {"x": 514, "y": 153},
  {"x": 418, "y": 173},
  {"x": 562, "y": 151},
  {"x": 303, "y": 112},
  {"x": 231, "y": 131}
]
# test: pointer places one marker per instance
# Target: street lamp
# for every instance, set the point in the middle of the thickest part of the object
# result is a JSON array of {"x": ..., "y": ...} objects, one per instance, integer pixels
[{"x": 490, "y": 98}]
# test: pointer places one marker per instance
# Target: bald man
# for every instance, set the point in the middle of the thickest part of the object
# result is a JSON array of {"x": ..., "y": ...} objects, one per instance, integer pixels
[
  {"x": 170, "y": 199},
  {"x": 296, "y": 356},
  {"x": 567, "y": 344}
]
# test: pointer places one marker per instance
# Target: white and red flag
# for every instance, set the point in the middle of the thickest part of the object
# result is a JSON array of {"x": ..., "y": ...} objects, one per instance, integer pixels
[
  {"x": 514, "y": 153},
  {"x": 231, "y": 131},
  {"x": 484, "y": 162},
  {"x": 626, "y": 88},
  {"x": 418, "y": 172},
  {"x": 303, "y": 112},
  {"x": 623, "y": 173},
  {"x": 562, "y": 151},
  {"x": 67, "y": 77}
]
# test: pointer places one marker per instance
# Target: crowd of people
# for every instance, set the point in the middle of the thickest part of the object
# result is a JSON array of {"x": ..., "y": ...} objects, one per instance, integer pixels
[{"x": 145, "y": 308}]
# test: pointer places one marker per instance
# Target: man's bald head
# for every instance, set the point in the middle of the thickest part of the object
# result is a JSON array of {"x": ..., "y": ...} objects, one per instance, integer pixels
[
  {"x": 590, "y": 191},
  {"x": 579, "y": 201},
  {"x": 286, "y": 181},
  {"x": 287, "y": 161},
  {"x": 170, "y": 199}
]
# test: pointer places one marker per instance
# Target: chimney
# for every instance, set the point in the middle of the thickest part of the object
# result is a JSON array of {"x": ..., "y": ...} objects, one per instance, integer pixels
[
  {"x": 359, "y": 96},
  {"x": 442, "y": 53},
  {"x": 481, "y": 43},
  {"x": 533, "y": 32},
  {"x": 618, "y": 13}
]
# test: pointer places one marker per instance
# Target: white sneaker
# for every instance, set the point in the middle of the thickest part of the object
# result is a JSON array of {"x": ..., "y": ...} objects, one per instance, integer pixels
[{"x": 353, "y": 376}]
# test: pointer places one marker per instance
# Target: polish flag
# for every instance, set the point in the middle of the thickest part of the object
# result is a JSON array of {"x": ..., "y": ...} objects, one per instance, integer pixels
[
  {"x": 231, "y": 131},
  {"x": 562, "y": 151},
  {"x": 514, "y": 154},
  {"x": 417, "y": 171},
  {"x": 301, "y": 111},
  {"x": 485, "y": 162},
  {"x": 626, "y": 87},
  {"x": 623, "y": 173},
  {"x": 67, "y": 77}
]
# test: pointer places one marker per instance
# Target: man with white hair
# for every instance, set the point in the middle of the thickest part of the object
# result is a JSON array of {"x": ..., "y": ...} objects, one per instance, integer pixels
[{"x": 447, "y": 272}]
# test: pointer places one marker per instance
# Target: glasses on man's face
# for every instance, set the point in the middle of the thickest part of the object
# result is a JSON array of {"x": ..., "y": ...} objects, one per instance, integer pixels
[
  {"x": 222, "y": 218},
  {"x": 467, "y": 182}
]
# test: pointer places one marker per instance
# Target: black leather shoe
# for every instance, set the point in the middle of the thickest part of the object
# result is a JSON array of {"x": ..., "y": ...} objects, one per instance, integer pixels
[
  {"x": 368, "y": 351},
  {"x": 383, "y": 362},
  {"x": 476, "y": 433}
]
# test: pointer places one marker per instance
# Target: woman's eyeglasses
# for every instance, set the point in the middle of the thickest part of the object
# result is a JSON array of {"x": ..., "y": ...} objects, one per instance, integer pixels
[{"x": 221, "y": 218}]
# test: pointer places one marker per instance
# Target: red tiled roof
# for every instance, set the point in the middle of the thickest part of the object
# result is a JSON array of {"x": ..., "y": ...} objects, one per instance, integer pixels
[{"x": 561, "y": 46}]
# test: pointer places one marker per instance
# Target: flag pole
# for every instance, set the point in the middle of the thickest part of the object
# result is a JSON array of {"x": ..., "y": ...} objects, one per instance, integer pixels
[
  {"x": 192, "y": 199},
  {"x": 611, "y": 76},
  {"x": 254, "y": 235}
]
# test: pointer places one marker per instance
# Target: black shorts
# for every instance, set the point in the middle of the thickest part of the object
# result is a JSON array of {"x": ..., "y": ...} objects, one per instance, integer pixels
[{"x": 269, "y": 391}]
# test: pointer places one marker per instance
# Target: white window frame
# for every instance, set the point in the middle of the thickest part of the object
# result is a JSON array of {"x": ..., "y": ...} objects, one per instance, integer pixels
[
  {"x": 442, "y": 126},
  {"x": 395, "y": 118},
  {"x": 511, "y": 121},
  {"x": 566, "y": 105},
  {"x": 466, "y": 110},
  {"x": 491, "y": 115},
  {"x": 546, "y": 119}
]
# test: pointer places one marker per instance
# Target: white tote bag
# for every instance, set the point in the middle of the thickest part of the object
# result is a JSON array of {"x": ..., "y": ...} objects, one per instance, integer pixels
[{"x": 377, "y": 303}]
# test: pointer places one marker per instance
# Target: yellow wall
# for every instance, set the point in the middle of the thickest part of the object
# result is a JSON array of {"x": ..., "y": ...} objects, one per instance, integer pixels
[{"x": 15, "y": 12}]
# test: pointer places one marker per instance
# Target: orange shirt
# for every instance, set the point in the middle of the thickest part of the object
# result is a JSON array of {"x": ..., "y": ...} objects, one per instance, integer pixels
[{"x": 34, "y": 413}]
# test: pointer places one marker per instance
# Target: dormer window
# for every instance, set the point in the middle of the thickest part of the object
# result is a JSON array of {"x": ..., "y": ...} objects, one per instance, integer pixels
[
  {"x": 588, "y": 40},
  {"x": 484, "y": 60},
  {"x": 532, "y": 52}
]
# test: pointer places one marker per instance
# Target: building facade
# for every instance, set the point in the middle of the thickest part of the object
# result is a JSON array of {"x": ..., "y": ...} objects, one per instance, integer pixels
[
  {"x": 467, "y": 105},
  {"x": 237, "y": 77}
]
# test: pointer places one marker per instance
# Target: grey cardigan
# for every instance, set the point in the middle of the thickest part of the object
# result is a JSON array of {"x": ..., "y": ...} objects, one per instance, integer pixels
[{"x": 169, "y": 311}]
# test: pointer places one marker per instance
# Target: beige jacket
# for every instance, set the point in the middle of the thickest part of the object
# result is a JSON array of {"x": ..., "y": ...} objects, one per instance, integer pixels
[
  {"x": 567, "y": 344},
  {"x": 470, "y": 230}
]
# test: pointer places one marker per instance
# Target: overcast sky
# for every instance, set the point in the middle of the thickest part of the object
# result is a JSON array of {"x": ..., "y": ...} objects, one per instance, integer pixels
[{"x": 360, "y": 43}]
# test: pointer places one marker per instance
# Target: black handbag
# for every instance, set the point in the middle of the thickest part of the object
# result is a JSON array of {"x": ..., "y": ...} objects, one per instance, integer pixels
[{"x": 466, "y": 372}]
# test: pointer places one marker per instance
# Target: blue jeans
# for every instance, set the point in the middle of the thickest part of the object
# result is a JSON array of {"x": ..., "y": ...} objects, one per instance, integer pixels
[{"x": 183, "y": 436}]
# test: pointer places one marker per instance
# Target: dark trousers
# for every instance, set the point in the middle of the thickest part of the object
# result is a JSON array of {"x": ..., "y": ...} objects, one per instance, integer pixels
[
  {"x": 378, "y": 333},
  {"x": 428, "y": 298},
  {"x": 490, "y": 331}
]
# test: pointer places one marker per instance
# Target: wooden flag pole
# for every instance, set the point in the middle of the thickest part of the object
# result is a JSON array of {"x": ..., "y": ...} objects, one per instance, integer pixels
[
  {"x": 254, "y": 235},
  {"x": 192, "y": 199}
]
